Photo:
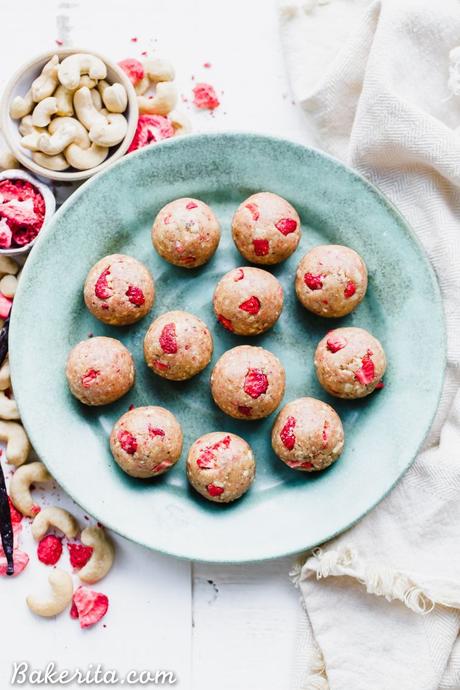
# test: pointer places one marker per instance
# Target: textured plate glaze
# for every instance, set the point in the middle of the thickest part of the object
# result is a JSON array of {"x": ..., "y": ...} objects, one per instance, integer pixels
[{"x": 285, "y": 511}]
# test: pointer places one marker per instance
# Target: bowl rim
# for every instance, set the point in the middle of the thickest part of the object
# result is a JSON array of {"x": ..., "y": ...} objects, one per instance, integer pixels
[{"x": 63, "y": 176}]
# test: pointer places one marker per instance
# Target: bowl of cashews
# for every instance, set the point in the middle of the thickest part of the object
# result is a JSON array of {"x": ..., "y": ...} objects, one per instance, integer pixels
[{"x": 68, "y": 114}]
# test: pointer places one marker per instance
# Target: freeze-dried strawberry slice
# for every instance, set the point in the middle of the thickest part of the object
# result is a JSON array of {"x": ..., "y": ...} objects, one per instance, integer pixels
[
  {"x": 226, "y": 323},
  {"x": 133, "y": 68},
  {"x": 251, "y": 305},
  {"x": 16, "y": 516},
  {"x": 6, "y": 234},
  {"x": 244, "y": 409},
  {"x": 350, "y": 289},
  {"x": 312, "y": 281},
  {"x": 366, "y": 373},
  {"x": 190, "y": 205},
  {"x": 155, "y": 431},
  {"x": 336, "y": 343},
  {"x": 127, "y": 441},
  {"x": 102, "y": 289},
  {"x": 20, "y": 559},
  {"x": 261, "y": 247},
  {"x": 89, "y": 378},
  {"x": 49, "y": 549},
  {"x": 150, "y": 129},
  {"x": 79, "y": 554},
  {"x": 205, "y": 97},
  {"x": 214, "y": 490},
  {"x": 255, "y": 383},
  {"x": 287, "y": 435},
  {"x": 89, "y": 605},
  {"x": 254, "y": 210},
  {"x": 239, "y": 275},
  {"x": 5, "y": 306},
  {"x": 167, "y": 339},
  {"x": 286, "y": 226},
  {"x": 135, "y": 295}
]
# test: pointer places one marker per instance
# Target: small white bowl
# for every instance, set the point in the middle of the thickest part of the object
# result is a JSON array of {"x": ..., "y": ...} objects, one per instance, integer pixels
[
  {"x": 50, "y": 206},
  {"x": 20, "y": 83}
]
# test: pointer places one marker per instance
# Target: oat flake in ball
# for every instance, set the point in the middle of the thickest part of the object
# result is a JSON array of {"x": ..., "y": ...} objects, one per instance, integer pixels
[
  {"x": 248, "y": 382},
  {"x": 99, "y": 370},
  {"x": 146, "y": 441},
  {"x": 221, "y": 466},
  {"x": 119, "y": 290},
  {"x": 186, "y": 233},
  {"x": 308, "y": 435}
]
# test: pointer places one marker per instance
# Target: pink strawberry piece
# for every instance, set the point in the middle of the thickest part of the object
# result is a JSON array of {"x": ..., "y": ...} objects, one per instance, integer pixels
[
  {"x": 379, "y": 386},
  {"x": 162, "y": 466},
  {"x": 350, "y": 289},
  {"x": 226, "y": 323},
  {"x": 6, "y": 234},
  {"x": 261, "y": 247},
  {"x": 89, "y": 378},
  {"x": 325, "y": 434},
  {"x": 336, "y": 343},
  {"x": 167, "y": 219},
  {"x": 188, "y": 260},
  {"x": 254, "y": 209},
  {"x": 20, "y": 559},
  {"x": 135, "y": 295},
  {"x": 162, "y": 366},
  {"x": 73, "y": 611},
  {"x": 155, "y": 431},
  {"x": 244, "y": 409},
  {"x": 255, "y": 383},
  {"x": 206, "y": 459},
  {"x": 90, "y": 606},
  {"x": 286, "y": 226},
  {"x": 102, "y": 289},
  {"x": 214, "y": 490},
  {"x": 49, "y": 549},
  {"x": 312, "y": 281},
  {"x": 133, "y": 68},
  {"x": 205, "y": 97},
  {"x": 306, "y": 465},
  {"x": 149, "y": 130},
  {"x": 167, "y": 339},
  {"x": 287, "y": 435},
  {"x": 35, "y": 510},
  {"x": 239, "y": 275},
  {"x": 127, "y": 441},
  {"x": 366, "y": 373},
  {"x": 190, "y": 205},
  {"x": 5, "y": 306},
  {"x": 79, "y": 554},
  {"x": 16, "y": 516},
  {"x": 251, "y": 305}
]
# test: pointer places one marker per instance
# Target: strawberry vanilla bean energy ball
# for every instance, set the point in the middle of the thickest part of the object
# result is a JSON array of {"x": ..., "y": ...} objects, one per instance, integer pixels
[
  {"x": 146, "y": 441},
  {"x": 248, "y": 382},
  {"x": 221, "y": 466},
  {"x": 178, "y": 345},
  {"x": 350, "y": 362},
  {"x": 331, "y": 280},
  {"x": 248, "y": 301},
  {"x": 99, "y": 370},
  {"x": 119, "y": 290},
  {"x": 266, "y": 228},
  {"x": 186, "y": 233},
  {"x": 308, "y": 435}
]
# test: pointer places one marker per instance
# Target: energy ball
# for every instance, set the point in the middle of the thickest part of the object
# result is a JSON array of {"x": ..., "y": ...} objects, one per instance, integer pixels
[
  {"x": 331, "y": 280},
  {"x": 221, "y": 466},
  {"x": 119, "y": 290},
  {"x": 350, "y": 363},
  {"x": 248, "y": 382},
  {"x": 308, "y": 435},
  {"x": 99, "y": 370},
  {"x": 178, "y": 345},
  {"x": 146, "y": 441},
  {"x": 266, "y": 228},
  {"x": 186, "y": 233},
  {"x": 248, "y": 301}
]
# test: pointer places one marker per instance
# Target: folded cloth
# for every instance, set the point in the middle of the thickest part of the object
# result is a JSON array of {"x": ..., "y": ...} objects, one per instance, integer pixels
[{"x": 383, "y": 599}]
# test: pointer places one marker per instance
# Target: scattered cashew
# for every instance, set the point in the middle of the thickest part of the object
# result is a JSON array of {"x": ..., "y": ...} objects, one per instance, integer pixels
[
  {"x": 85, "y": 110},
  {"x": 62, "y": 591},
  {"x": 52, "y": 516},
  {"x": 96, "y": 98},
  {"x": 21, "y": 105},
  {"x": 102, "y": 557},
  {"x": 81, "y": 134},
  {"x": 7, "y": 265},
  {"x": 20, "y": 483},
  {"x": 142, "y": 86},
  {"x": 8, "y": 407},
  {"x": 159, "y": 70},
  {"x": 44, "y": 85},
  {"x": 17, "y": 443},
  {"x": 57, "y": 162},
  {"x": 64, "y": 101},
  {"x": 8, "y": 161},
  {"x": 111, "y": 132},
  {"x": 5, "y": 381},
  {"x": 52, "y": 144},
  {"x": 162, "y": 102},
  {"x": 180, "y": 122},
  {"x": 74, "y": 66},
  {"x": 114, "y": 96},
  {"x": 8, "y": 286},
  {"x": 43, "y": 111}
]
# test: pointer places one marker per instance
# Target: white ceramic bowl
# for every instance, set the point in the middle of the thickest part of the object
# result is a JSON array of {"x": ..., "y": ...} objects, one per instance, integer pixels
[
  {"x": 50, "y": 206},
  {"x": 20, "y": 83}
]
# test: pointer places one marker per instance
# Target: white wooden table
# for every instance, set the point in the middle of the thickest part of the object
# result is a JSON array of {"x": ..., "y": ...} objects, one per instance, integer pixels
[{"x": 245, "y": 619}]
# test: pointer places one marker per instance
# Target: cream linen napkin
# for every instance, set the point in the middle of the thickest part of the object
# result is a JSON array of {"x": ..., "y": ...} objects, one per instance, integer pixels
[{"x": 372, "y": 79}]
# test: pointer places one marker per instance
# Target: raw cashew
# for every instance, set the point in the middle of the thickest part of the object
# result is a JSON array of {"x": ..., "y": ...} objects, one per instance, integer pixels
[
  {"x": 27, "y": 127},
  {"x": 111, "y": 132},
  {"x": 81, "y": 134},
  {"x": 64, "y": 101},
  {"x": 142, "y": 86},
  {"x": 62, "y": 591},
  {"x": 20, "y": 483},
  {"x": 8, "y": 287},
  {"x": 162, "y": 102},
  {"x": 96, "y": 98},
  {"x": 8, "y": 161},
  {"x": 83, "y": 159},
  {"x": 5, "y": 381},
  {"x": 8, "y": 407},
  {"x": 44, "y": 85},
  {"x": 7, "y": 265},
  {"x": 57, "y": 162},
  {"x": 85, "y": 110},
  {"x": 102, "y": 557},
  {"x": 43, "y": 112},
  {"x": 17, "y": 443},
  {"x": 159, "y": 70},
  {"x": 74, "y": 66},
  {"x": 54, "y": 517},
  {"x": 21, "y": 105},
  {"x": 114, "y": 96},
  {"x": 180, "y": 122},
  {"x": 52, "y": 144}
]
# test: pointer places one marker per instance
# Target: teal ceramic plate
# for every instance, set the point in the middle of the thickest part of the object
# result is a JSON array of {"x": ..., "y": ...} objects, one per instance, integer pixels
[{"x": 285, "y": 511}]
